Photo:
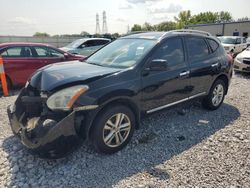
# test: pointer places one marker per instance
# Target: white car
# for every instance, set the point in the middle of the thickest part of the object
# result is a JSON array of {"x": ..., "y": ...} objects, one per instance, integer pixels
[
  {"x": 85, "y": 46},
  {"x": 248, "y": 41},
  {"x": 233, "y": 44},
  {"x": 242, "y": 61}
]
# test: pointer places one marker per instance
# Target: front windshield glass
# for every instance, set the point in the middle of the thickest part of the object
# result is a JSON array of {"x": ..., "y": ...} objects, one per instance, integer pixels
[
  {"x": 227, "y": 40},
  {"x": 76, "y": 43},
  {"x": 122, "y": 53}
]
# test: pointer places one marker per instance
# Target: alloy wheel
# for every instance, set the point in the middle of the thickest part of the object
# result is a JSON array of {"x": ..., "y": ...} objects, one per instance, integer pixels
[
  {"x": 218, "y": 95},
  {"x": 116, "y": 130}
]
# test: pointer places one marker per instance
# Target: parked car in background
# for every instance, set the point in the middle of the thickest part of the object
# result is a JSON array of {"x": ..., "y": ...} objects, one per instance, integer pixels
[
  {"x": 248, "y": 41},
  {"x": 103, "y": 99},
  {"x": 23, "y": 59},
  {"x": 242, "y": 61},
  {"x": 85, "y": 46},
  {"x": 233, "y": 44}
]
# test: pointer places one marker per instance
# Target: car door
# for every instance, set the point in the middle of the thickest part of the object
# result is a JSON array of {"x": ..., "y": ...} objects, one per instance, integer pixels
[
  {"x": 204, "y": 63},
  {"x": 19, "y": 63},
  {"x": 166, "y": 86}
]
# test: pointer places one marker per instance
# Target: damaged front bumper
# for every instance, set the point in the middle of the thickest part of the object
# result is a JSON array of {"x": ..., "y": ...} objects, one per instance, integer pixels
[{"x": 48, "y": 134}]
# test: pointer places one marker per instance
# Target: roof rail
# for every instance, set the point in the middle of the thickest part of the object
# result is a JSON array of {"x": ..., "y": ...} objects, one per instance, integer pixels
[
  {"x": 192, "y": 31},
  {"x": 132, "y": 33}
]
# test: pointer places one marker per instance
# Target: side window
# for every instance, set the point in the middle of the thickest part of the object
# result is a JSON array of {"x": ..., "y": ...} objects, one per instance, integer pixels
[
  {"x": 17, "y": 52},
  {"x": 172, "y": 51},
  {"x": 89, "y": 43},
  {"x": 244, "y": 40},
  {"x": 197, "y": 48},
  {"x": 55, "y": 53},
  {"x": 213, "y": 44},
  {"x": 4, "y": 53},
  {"x": 238, "y": 41},
  {"x": 41, "y": 51},
  {"x": 101, "y": 42}
]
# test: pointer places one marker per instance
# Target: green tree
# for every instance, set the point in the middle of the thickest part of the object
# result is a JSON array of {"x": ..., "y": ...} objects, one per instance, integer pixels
[
  {"x": 39, "y": 34},
  {"x": 183, "y": 19},
  {"x": 204, "y": 18},
  {"x": 224, "y": 17},
  {"x": 115, "y": 35},
  {"x": 166, "y": 26},
  {"x": 84, "y": 33},
  {"x": 136, "y": 27},
  {"x": 147, "y": 27}
]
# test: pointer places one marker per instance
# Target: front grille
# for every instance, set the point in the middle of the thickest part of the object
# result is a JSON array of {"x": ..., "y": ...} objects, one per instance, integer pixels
[
  {"x": 246, "y": 61},
  {"x": 246, "y": 69},
  {"x": 226, "y": 48}
]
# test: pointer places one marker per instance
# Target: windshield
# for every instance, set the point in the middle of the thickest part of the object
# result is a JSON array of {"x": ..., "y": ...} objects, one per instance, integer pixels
[
  {"x": 227, "y": 40},
  {"x": 122, "y": 53},
  {"x": 76, "y": 43}
]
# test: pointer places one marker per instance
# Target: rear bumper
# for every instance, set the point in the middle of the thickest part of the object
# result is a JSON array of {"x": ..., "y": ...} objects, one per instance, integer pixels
[{"x": 45, "y": 137}]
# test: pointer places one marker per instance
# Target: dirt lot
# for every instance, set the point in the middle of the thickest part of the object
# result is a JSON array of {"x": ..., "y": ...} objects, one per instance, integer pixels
[{"x": 185, "y": 146}]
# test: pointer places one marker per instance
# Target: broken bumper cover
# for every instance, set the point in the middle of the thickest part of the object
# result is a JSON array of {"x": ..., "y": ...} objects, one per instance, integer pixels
[{"x": 47, "y": 140}]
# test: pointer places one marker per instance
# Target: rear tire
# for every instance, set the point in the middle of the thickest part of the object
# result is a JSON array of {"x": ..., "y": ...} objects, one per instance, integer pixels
[
  {"x": 216, "y": 95},
  {"x": 112, "y": 129}
]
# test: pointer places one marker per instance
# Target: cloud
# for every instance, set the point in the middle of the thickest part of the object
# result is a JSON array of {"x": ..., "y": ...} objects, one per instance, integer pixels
[
  {"x": 125, "y": 5},
  {"x": 142, "y": 1},
  {"x": 22, "y": 20},
  {"x": 172, "y": 8},
  {"x": 121, "y": 20}
]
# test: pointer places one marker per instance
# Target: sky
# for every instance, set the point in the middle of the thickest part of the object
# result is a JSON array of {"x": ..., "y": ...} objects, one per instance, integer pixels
[{"x": 25, "y": 17}]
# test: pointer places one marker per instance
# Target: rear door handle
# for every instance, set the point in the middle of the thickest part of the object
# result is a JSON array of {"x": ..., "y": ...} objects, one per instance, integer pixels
[{"x": 184, "y": 73}]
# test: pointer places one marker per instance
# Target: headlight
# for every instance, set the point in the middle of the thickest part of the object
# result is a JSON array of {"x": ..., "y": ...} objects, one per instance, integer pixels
[
  {"x": 65, "y": 98},
  {"x": 239, "y": 59}
]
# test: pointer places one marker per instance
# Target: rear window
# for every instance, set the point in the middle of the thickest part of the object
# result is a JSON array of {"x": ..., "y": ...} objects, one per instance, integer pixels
[{"x": 213, "y": 44}]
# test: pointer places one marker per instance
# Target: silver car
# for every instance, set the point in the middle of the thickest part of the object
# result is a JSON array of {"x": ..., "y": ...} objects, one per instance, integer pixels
[{"x": 85, "y": 46}]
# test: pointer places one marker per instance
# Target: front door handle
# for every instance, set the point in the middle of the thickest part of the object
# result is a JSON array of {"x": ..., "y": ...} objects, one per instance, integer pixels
[
  {"x": 184, "y": 73},
  {"x": 215, "y": 65}
]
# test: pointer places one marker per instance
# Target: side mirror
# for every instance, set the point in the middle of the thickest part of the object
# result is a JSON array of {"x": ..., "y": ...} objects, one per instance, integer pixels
[
  {"x": 82, "y": 46},
  {"x": 158, "y": 65},
  {"x": 66, "y": 55}
]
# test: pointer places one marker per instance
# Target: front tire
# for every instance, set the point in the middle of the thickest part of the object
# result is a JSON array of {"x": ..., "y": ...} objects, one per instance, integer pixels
[
  {"x": 113, "y": 129},
  {"x": 216, "y": 95}
]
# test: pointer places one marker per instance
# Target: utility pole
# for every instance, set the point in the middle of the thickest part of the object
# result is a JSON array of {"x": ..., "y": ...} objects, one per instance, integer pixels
[
  {"x": 97, "y": 30},
  {"x": 104, "y": 26}
]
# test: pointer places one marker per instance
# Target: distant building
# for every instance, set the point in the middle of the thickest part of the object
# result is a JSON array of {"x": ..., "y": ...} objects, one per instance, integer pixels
[{"x": 240, "y": 28}]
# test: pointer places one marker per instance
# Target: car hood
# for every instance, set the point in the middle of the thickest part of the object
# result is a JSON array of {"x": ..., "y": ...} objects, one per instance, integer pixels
[
  {"x": 59, "y": 74},
  {"x": 66, "y": 49},
  {"x": 244, "y": 54},
  {"x": 227, "y": 45}
]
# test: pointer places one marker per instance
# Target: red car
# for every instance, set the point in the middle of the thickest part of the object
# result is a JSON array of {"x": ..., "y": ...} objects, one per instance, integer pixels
[{"x": 22, "y": 59}]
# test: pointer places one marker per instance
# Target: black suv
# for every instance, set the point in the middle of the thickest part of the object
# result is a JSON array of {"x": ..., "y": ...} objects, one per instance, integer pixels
[{"x": 104, "y": 98}]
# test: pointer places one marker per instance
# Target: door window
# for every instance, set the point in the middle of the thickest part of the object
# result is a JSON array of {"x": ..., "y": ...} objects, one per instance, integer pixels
[
  {"x": 213, "y": 44},
  {"x": 17, "y": 52},
  {"x": 197, "y": 48},
  {"x": 238, "y": 41},
  {"x": 101, "y": 42},
  {"x": 41, "y": 51},
  {"x": 55, "y": 53},
  {"x": 171, "y": 51}
]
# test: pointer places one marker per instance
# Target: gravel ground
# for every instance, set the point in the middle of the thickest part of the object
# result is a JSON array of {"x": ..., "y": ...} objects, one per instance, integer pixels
[{"x": 186, "y": 146}]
